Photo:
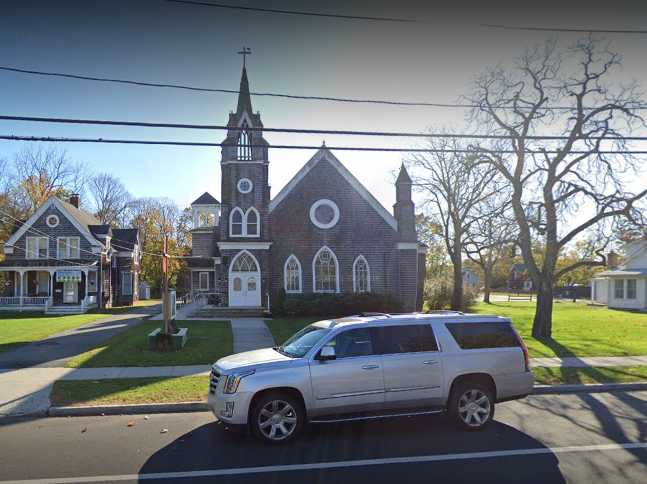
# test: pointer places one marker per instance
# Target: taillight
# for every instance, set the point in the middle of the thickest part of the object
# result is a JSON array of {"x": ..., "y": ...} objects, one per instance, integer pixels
[{"x": 524, "y": 348}]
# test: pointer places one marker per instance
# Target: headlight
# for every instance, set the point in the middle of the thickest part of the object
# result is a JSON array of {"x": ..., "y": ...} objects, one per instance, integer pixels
[{"x": 232, "y": 382}]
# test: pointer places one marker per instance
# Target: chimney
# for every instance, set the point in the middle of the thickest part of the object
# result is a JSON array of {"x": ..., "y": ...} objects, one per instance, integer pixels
[
  {"x": 75, "y": 199},
  {"x": 404, "y": 209},
  {"x": 612, "y": 260}
]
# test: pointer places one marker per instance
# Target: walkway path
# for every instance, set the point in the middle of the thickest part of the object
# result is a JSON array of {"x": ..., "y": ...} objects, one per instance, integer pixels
[
  {"x": 575, "y": 362},
  {"x": 184, "y": 312},
  {"x": 250, "y": 334}
]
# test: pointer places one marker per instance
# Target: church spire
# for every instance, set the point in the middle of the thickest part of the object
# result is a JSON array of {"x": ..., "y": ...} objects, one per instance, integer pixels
[{"x": 244, "y": 99}]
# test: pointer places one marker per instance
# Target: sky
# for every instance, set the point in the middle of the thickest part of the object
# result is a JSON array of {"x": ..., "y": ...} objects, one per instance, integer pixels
[{"x": 434, "y": 60}]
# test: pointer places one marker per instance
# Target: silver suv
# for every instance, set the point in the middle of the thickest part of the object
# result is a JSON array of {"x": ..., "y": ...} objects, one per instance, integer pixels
[{"x": 366, "y": 367}]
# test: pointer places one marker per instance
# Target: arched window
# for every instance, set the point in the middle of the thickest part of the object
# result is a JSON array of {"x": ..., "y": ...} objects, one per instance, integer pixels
[
  {"x": 292, "y": 275},
  {"x": 251, "y": 222},
  {"x": 244, "y": 263},
  {"x": 244, "y": 143},
  {"x": 361, "y": 275},
  {"x": 325, "y": 271},
  {"x": 236, "y": 222}
]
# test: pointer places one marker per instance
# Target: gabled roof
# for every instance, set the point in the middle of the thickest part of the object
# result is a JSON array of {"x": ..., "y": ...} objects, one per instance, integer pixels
[
  {"x": 325, "y": 155},
  {"x": 205, "y": 199},
  {"x": 81, "y": 219},
  {"x": 124, "y": 239}
]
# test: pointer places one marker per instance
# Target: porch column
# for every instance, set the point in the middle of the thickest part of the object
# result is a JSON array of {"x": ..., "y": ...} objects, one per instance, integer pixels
[
  {"x": 22, "y": 286},
  {"x": 51, "y": 287},
  {"x": 85, "y": 272}
]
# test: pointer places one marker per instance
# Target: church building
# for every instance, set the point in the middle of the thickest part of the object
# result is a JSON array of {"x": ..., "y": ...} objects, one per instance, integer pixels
[{"x": 322, "y": 233}]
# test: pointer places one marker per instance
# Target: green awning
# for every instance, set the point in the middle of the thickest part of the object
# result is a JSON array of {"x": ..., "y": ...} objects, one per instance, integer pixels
[{"x": 68, "y": 276}]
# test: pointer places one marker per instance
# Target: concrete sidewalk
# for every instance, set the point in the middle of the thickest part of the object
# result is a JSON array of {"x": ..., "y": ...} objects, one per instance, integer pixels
[{"x": 575, "y": 362}]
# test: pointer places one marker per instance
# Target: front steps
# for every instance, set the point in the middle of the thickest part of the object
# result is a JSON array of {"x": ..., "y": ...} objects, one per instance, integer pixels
[
  {"x": 66, "y": 310},
  {"x": 213, "y": 312}
]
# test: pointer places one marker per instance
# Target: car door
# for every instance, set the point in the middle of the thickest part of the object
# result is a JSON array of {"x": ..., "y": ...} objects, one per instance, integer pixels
[
  {"x": 353, "y": 381},
  {"x": 413, "y": 374}
]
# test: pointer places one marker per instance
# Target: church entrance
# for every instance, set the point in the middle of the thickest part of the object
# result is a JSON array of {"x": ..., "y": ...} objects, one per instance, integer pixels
[{"x": 244, "y": 281}]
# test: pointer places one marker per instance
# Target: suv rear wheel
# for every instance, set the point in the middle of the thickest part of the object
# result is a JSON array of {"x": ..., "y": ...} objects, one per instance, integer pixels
[
  {"x": 277, "y": 417},
  {"x": 472, "y": 405}
]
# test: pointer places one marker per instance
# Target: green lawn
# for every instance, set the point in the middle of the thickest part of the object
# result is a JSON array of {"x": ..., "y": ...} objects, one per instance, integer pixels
[
  {"x": 207, "y": 341},
  {"x": 283, "y": 328},
  {"x": 614, "y": 374},
  {"x": 130, "y": 390},
  {"x": 578, "y": 329},
  {"x": 17, "y": 329}
]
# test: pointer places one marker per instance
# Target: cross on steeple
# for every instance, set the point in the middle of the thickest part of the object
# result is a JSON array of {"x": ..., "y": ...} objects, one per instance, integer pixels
[{"x": 245, "y": 52}]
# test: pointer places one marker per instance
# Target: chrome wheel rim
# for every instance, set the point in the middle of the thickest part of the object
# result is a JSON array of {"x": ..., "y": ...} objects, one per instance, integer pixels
[
  {"x": 474, "y": 408},
  {"x": 277, "y": 420}
]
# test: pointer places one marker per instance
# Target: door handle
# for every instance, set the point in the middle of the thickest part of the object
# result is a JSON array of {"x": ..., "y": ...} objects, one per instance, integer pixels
[
  {"x": 370, "y": 367},
  {"x": 429, "y": 362}
]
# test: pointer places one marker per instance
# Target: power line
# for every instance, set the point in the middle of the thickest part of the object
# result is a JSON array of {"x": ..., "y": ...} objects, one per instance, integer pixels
[
  {"x": 231, "y": 91},
  {"x": 388, "y": 102},
  {"x": 296, "y": 130},
  {"x": 557, "y": 29},
  {"x": 293, "y": 12},
  {"x": 299, "y": 147}
]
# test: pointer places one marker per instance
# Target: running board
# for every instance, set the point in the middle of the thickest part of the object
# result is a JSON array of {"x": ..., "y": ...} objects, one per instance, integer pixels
[{"x": 376, "y": 417}]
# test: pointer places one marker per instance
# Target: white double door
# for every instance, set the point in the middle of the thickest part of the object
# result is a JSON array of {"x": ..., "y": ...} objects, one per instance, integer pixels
[{"x": 245, "y": 289}]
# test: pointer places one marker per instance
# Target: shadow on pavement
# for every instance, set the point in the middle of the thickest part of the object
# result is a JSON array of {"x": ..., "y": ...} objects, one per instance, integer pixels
[{"x": 212, "y": 446}]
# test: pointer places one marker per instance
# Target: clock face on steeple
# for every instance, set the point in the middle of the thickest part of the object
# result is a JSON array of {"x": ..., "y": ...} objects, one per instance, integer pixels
[{"x": 245, "y": 185}]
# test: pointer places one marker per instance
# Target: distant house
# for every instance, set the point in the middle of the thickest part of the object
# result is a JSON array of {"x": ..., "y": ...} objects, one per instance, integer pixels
[
  {"x": 63, "y": 260},
  {"x": 470, "y": 277},
  {"x": 519, "y": 279},
  {"x": 623, "y": 286}
]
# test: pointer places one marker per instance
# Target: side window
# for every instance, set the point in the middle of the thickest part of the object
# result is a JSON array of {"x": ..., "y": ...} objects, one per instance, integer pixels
[
  {"x": 354, "y": 342},
  {"x": 483, "y": 335},
  {"x": 414, "y": 338}
]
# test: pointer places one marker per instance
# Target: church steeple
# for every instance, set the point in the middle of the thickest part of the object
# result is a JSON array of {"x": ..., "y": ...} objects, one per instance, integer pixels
[{"x": 244, "y": 99}]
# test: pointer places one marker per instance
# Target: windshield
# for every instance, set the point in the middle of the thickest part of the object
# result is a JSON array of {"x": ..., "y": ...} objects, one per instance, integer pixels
[{"x": 300, "y": 343}]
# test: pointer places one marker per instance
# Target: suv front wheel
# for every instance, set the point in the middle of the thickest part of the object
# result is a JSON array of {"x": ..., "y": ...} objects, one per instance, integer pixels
[
  {"x": 472, "y": 405},
  {"x": 277, "y": 417}
]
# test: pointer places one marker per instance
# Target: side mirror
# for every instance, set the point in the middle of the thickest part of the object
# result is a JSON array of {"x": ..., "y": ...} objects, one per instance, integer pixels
[{"x": 327, "y": 353}]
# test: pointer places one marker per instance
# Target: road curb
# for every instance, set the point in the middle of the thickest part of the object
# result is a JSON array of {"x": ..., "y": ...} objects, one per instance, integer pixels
[
  {"x": 134, "y": 409},
  {"x": 183, "y": 407},
  {"x": 588, "y": 388}
]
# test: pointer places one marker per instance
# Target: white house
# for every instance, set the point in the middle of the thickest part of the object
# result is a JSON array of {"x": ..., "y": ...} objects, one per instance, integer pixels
[
  {"x": 470, "y": 277},
  {"x": 624, "y": 286}
]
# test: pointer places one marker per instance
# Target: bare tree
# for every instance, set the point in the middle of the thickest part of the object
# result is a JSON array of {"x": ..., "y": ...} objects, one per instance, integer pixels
[
  {"x": 42, "y": 173},
  {"x": 489, "y": 238},
  {"x": 560, "y": 188},
  {"x": 454, "y": 186},
  {"x": 110, "y": 198}
]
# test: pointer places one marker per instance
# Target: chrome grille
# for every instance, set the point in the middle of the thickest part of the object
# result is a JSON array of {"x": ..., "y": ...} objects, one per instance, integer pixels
[{"x": 213, "y": 381}]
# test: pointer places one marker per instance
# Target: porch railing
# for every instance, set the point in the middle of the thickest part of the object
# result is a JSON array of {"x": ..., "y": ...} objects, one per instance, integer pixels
[
  {"x": 10, "y": 301},
  {"x": 24, "y": 301}
]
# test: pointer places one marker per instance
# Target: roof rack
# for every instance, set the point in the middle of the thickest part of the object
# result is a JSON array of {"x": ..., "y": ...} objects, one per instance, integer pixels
[
  {"x": 372, "y": 314},
  {"x": 444, "y": 311}
]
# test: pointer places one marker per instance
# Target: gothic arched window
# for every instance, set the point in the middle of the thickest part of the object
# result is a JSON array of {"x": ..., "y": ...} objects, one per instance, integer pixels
[
  {"x": 325, "y": 271},
  {"x": 236, "y": 222},
  {"x": 251, "y": 222},
  {"x": 244, "y": 263},
  {"x": 244, "y": 151},
  {"x": 361, "y": 275},
  {"x": 292, "y": 275}
]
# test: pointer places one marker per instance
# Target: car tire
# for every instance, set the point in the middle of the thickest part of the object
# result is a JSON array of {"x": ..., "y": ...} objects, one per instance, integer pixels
[
  {"x": 471, "y": 405},
  {"x": 277, "y": 417}
]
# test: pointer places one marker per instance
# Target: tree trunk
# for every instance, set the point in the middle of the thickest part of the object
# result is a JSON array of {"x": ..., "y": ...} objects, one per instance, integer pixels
[
  {"x": 457, "y": 293},
  {"x": 487, "y": 282},
  {"x": 542, "y": 325}
]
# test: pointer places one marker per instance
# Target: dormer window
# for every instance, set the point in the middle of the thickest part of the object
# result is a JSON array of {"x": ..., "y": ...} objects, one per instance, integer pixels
[{"x": 244, "y": 151}]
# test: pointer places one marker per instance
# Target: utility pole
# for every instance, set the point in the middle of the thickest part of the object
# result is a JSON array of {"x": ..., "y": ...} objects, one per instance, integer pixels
[{"x": 165, "y": 295}]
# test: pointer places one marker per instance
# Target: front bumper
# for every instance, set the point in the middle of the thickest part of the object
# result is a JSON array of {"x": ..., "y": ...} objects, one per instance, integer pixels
[{"x": 230, "y": 408}]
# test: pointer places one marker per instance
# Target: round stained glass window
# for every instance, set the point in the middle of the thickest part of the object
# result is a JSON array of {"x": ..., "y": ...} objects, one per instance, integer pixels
[
  {"x": 52, "y": 221},
  {"x": 324, "y": 214}
]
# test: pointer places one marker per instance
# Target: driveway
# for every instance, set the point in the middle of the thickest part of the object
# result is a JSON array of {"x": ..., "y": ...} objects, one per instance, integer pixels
[{"x": 55, "y": 350}]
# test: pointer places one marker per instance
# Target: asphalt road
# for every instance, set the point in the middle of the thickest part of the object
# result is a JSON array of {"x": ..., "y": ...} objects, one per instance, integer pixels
[{"x": 582, "y": 438}]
